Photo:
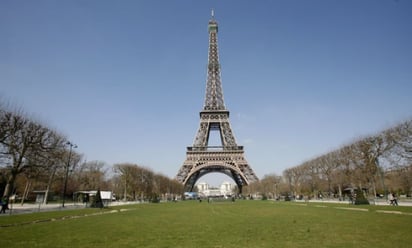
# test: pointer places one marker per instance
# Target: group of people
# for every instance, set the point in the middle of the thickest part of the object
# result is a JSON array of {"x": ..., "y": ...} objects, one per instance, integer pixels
[{"x": 392, "y": 199}]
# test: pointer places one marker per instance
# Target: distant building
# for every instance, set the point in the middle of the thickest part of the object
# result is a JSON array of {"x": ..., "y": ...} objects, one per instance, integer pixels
[
  {"x": 86, "y": 196},
  {"x": 225, "y": 189}
]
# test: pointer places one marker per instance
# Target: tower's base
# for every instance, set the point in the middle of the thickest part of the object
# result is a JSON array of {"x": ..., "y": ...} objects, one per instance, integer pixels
[{"x": 203, "y": 160}]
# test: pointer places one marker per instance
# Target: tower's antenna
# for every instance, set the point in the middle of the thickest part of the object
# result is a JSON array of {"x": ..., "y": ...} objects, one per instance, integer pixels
[{"x": 213, "y": 14}]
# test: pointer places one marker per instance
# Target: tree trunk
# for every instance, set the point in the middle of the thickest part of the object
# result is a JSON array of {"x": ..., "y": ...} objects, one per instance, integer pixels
[
  {"x": 46, "y": 194},
  {"x": 9, "y": 186},
  {"x": 26, "y": 191},
  {"x": 374, "y": 188},
  {"x": 125, "y": 192}
]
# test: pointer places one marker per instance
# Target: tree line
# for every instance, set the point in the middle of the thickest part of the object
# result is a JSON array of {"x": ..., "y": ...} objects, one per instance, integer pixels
[
  {"x": 376, "y": 164},
  {"x": 36, "y": 157}
]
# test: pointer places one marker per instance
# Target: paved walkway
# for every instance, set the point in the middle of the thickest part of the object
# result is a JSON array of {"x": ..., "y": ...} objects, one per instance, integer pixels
[
  {"x": 17, "y": 208},
  {"x": 379, "y": 202}
]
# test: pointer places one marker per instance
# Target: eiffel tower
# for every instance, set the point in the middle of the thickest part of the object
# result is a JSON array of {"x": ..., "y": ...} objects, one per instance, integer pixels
[{"x": 228, "y": 158}]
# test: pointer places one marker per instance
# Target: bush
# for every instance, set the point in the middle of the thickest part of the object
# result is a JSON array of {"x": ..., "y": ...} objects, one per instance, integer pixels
[
  {"x": 360, "y": 198},
  {"x": 97, "y": 201},
  {"x": 154, "y": 198}
]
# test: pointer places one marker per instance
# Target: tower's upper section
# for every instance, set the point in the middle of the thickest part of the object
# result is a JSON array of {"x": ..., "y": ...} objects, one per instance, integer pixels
[{"x": 214, "y": 92}]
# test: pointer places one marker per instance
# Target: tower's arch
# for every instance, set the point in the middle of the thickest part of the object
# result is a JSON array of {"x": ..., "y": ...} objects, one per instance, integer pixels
[{"x": 204, "y": 169}]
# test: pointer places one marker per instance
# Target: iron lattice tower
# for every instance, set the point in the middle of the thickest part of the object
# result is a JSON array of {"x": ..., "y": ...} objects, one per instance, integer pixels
[{"x": 228, "y": 158}]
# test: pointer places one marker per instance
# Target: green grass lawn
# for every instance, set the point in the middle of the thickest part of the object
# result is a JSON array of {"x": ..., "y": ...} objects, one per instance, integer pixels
[{"x": 224, "y": 224}]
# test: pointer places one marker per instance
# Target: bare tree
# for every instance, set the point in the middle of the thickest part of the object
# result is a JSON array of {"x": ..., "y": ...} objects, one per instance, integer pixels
[
  {"x": 139, "y": 182},
  {"x": 91, "y": 176},
  {"x": 269, "y": 185},
  {"x": 294, "y": 177},
  {"x": 125, "y": 171},
  {"x": 312, "y": 176},
  {"x": 136, "y": 180},
  {"x": 399, "y": 158},
  {"x": 23, "y": 145},
  {"x": 401, "y": 137}
]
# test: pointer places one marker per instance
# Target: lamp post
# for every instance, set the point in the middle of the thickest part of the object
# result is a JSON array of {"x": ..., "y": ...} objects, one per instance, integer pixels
[{"x": 71, "y": 146}]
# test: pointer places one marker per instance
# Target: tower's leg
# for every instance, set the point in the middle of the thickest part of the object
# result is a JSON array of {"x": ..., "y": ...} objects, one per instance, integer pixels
[{"x": 240, "y": 189}]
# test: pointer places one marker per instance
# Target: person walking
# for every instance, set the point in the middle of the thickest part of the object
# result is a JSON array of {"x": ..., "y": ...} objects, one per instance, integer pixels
[
  {"x": 3, "y": 205},
  {"x": 390, "y": 198},
  {"x": 394, "y": 199}
]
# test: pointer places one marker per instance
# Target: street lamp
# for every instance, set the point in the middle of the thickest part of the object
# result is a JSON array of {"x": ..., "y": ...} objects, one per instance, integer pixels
[{"x": 71, "y": 145}]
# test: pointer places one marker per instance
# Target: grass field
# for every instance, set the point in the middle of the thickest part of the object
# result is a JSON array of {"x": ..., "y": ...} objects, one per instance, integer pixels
[{"x": 218, "y": 224}]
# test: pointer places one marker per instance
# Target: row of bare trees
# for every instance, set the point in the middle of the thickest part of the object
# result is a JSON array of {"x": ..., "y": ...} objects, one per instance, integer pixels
[
  {"x": 35, "y": 157},
  {"x": 377, "y": 164},
  {"x": 134, "y": 182}
]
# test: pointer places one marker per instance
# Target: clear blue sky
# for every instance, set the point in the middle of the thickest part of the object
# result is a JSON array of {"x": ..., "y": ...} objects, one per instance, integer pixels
[{"x": 125, "y": 80}]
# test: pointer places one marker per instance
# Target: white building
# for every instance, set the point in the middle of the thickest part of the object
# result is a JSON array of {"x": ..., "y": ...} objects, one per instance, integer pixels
[{"x": 225, "y": 189}]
